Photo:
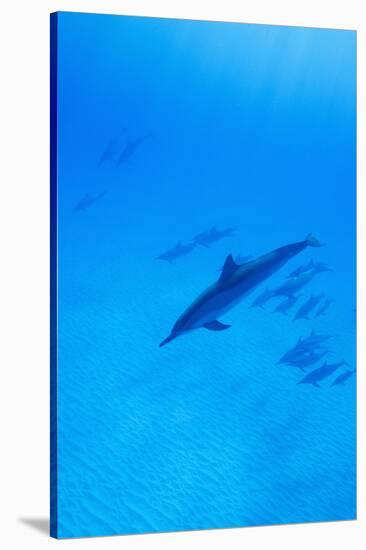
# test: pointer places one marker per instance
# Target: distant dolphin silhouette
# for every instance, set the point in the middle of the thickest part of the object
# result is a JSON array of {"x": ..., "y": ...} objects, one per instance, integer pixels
[
  {"x": 315, "y": 376},
  {"x": 87, "y": 201},
  {"x": 303, "y": 346},
  {"x": 323, "y": 308},
  {"x": 209, "y": 237},
  {"x": 130, "y": 148},
  {"x": 308, "y": 359},
  {"x": 286, "y": 304},
  {"x": 304, "y": 311},
  {"x": 262, "y": 298},
  {"x": 234, "y": 283},
  {"x": 313, "y": 340},
  {"x": 342, "y": 378},
  {"x": 301, "y": 269},
  {"x": 320, "y": 267},
  {"x": 177, "y": 252},
  {"x": 110, "y": 151},
  {"x": 291, "y": 286}
]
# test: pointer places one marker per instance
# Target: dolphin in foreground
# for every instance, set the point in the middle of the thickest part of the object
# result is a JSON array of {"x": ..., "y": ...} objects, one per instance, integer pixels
[
  {"x": 234, "y": 283},
  {"x": 240, "y": 260}
]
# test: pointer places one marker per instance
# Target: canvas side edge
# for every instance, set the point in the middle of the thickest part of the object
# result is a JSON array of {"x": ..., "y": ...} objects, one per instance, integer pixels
[{"x": 53, "y": 276}]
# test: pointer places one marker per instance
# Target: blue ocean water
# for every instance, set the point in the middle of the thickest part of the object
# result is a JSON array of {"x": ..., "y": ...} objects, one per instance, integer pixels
[{"x": 250, "y": 127}]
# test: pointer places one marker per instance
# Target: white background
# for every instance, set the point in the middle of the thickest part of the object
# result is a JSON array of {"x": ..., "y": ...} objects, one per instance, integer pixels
[{"x": 24, "y": 243}]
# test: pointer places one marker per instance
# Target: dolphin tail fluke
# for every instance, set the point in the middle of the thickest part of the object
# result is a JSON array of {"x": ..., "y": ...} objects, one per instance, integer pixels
[{"x": 313, "y": 241}]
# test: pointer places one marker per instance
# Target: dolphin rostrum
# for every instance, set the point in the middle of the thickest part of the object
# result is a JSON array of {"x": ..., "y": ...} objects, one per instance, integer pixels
[{"x": 234, "y": 283}]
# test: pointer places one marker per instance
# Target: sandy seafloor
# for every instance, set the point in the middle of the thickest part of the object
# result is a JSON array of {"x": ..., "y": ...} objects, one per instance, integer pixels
[{"x": 252, "y": 127}]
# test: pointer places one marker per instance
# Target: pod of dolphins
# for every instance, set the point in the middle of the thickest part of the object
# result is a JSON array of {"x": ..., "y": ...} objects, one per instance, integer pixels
[
  {"x": 206, "y": 238},
  {"x": 239, "y": 278},
  {"x": 309, "y": 351}
]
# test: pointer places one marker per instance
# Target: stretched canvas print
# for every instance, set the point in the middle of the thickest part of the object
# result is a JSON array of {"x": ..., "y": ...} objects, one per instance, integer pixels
[{"x": 203, "y": 306}]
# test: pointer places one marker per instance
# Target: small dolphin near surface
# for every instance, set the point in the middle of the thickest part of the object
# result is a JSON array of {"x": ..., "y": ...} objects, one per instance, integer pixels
[
  {"x": 239, "y": 260},
  {"x": 323, "y": 308},
  {"x": 209, "y": 237},
  {"x": 315, "y": 376},
  {"x": 286, "y": 304},
  {"x": 130, "y": 149},
  {"x": 87, "y": 201},
  {"x": 234, "y": 283},
  {"x": 177, "y": 252},
  {"x": 342, "y": 378},
  {"x": 304, "y": 311},
  {"x": 308, "y": 359}
]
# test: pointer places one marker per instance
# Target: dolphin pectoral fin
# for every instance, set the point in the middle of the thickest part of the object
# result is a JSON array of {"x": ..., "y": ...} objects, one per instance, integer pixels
[
  {"x": 216, "y": 325},
  {"x": 316, "y": 384}
]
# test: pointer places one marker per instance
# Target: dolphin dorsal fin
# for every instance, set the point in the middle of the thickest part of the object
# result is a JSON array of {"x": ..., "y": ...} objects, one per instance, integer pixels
[
  {"x": 178, "y": 245},
  {"x": 229, "y": 268}
]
